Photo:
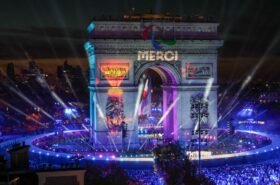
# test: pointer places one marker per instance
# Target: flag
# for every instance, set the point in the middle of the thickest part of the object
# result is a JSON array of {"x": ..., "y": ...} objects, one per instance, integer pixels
[{"x": 145, "y": 106}]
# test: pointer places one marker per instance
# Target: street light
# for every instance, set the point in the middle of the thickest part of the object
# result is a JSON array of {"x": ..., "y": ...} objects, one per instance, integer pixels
[{"x": 199, "y": 114}]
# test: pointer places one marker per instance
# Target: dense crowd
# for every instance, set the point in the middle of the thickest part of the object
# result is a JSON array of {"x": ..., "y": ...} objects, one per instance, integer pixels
[
  {"x": 71, "y": 142},
  {"x": 255, "y": 174},
  {"x": 252, "y": 174},
  {"x": 147, "y": 177},
  {"x": 238, "y": 142}
]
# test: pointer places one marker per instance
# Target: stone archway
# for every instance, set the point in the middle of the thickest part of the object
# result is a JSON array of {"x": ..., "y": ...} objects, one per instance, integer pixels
[
  {"x": 170, "y": 78},
  {"x": 120, "y": 42},
  {"x": 165, "y": 67}
]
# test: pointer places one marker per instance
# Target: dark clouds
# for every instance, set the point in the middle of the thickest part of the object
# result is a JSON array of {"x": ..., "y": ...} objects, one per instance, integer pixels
[
  {"x": 55, "y": 29},
  {"x": 247, "y": 26}
]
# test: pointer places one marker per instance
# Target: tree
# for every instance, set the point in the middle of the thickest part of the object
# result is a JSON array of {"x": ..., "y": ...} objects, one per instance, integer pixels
[
  {"x": 109, "y": 175},
  {"x": 175, "y": 167},
  {"x": 115, "y": 175}
]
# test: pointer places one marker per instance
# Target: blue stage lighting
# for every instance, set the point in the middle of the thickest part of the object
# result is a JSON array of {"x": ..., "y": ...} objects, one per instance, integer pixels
[
  {"x": 68, "y": 111},
  {"x": 246, "y": 112},
  {"x": 58, "y": 121}
]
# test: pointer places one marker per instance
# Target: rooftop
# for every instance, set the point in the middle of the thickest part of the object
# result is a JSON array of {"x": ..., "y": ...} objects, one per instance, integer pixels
[{"x": 157, "y": 17}]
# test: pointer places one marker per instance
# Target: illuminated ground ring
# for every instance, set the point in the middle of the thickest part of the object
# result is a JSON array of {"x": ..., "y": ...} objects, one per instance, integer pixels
[
  {"x": 275, "y": 145},
  {"x": 109, "y": 156},
  {"x": 98, "y": 156}
]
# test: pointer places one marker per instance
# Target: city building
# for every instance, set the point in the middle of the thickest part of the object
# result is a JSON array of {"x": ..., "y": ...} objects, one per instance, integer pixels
[{"x": 183, "y": 54}]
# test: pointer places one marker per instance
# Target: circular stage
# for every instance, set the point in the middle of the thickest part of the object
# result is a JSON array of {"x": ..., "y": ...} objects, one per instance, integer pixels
[{"x": 73, "y": 145}]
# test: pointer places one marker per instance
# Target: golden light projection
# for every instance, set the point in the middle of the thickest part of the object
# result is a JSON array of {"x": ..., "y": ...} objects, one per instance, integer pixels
[
  {"x": 114, "y": 73},
  {"x": 115, "y": 92},
  {"x": 114, "y": 112}
]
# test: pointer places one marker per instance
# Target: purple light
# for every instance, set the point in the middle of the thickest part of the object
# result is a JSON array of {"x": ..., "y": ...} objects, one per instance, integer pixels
[
  {"x": 100, "y": 156},
  {"x": 58, "y": 120}
]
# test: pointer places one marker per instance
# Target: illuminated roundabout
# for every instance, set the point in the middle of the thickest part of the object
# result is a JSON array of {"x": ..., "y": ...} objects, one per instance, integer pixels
[{"x": 73, "y": 145}]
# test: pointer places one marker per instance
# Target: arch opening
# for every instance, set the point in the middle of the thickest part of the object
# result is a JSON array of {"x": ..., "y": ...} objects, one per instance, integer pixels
[
  {"x": 168, "y": 73},
  {"x": 155, "y": 101}
]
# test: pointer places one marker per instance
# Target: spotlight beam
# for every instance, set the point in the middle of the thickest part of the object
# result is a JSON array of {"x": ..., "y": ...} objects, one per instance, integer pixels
[
  {"x": 71, "y": 87},
  {"x": 21, "y": 112},
  {"x": 58, "y": 99},
  {"x": 232, "y": 106},
  {"x": 44, "y": 84},
  {"x": 168, "y": 110},
  {"x": 67, "y": 129},
  {"x": 256, "y": 68},
  {"x": 163, "y": 117},
  {"x": 61, "y": 21},
  {"x": 208, "y": 88},
  {"x": 22, "y": 96},
  {"x": 83, "y": 125},
  {"x": 14, "y": 85},
  {"x": 225, "y": 93},
  {"x": 104, "y": 122},
  {"x": 137, "y": 104}
]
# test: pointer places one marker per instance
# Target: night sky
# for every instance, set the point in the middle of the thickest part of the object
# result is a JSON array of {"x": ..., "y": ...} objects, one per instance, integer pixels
[{"x": 57, "y": 29}]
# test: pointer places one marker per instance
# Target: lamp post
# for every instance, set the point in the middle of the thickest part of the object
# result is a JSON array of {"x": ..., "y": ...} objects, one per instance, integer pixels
[
  {"x": 199, "y": 114},
  {"x": 124, "y": 132}
]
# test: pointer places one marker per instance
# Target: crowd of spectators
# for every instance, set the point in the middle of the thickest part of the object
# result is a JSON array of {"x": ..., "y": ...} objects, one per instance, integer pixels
[
  {"x": 238, "y": 142},
  {"x": 254, "y": 174},
  {"x": 147, "y": 177},
  {"x": 65, "y": 142},
  {"x": 250, "y": 174}
]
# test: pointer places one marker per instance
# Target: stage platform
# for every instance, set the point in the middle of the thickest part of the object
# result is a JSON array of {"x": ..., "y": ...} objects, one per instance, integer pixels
[{"x": 263, "y": 153}]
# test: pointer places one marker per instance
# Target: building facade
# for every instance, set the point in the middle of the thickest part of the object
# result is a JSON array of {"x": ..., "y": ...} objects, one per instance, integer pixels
[{"x": 183, "y": 54}]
